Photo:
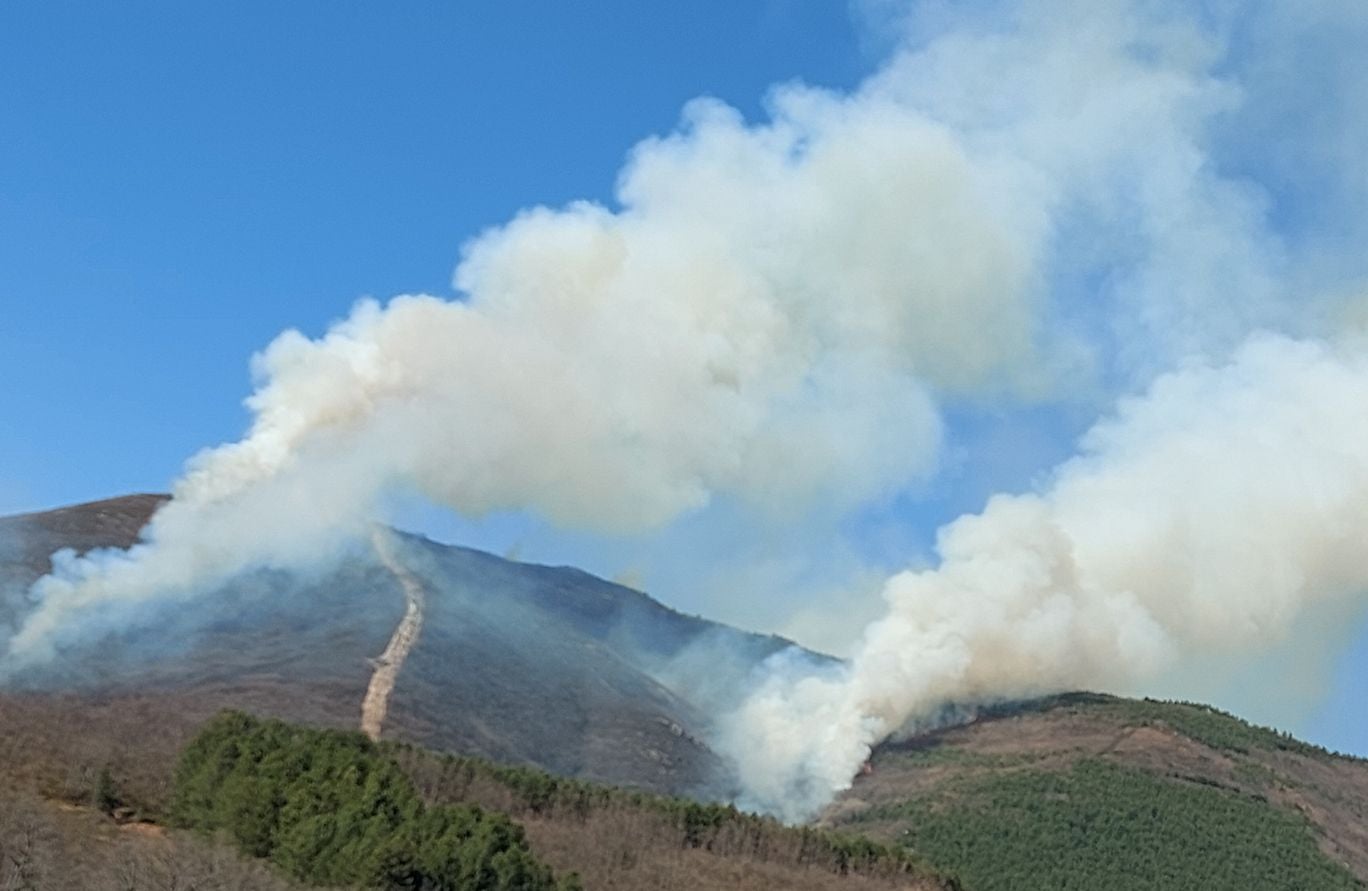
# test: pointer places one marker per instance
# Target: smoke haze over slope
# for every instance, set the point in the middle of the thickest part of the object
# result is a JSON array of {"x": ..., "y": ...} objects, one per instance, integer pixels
[{"x": 1045, "y": 206}]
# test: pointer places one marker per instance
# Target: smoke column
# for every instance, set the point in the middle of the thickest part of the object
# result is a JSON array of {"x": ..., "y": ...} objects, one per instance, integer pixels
[
  {"x": 1047, "y": 203},
  {"x": 1201, "y": 517}
]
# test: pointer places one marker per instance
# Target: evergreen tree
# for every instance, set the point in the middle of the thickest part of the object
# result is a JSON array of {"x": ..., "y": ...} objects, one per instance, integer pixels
[{"x": 329, "y": 809}]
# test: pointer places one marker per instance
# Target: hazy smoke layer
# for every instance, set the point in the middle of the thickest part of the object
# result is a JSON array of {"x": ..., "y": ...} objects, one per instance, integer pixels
[
  {"x": 1041, "y": 203},
  {"x": 1202, "y": 517}
]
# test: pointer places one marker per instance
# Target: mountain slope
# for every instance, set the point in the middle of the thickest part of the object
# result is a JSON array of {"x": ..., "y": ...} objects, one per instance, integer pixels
[
  {"x": 229, "y": 778},
  {"x": 28, "y": 540},
  {"x": 551, "y": 667},
  {"x": 1090, "y": 791},
  {"x": 540, "y": 665}
]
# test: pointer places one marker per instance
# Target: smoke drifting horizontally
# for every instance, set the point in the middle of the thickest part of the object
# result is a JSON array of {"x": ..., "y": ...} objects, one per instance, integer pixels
[{"x": 1044, "y": 207}]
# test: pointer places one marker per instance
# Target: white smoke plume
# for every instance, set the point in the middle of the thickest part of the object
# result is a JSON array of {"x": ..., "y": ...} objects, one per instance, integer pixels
[
  {"x": 1041, "y": 204},
  {"x": 767, "y": 315},
  {"x": 1201, "y": 518}
]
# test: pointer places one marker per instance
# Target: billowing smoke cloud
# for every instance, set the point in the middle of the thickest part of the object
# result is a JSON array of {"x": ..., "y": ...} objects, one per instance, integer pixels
[
  {"x": 767, "y": 315},
  {"x": 1043, "y": 205},
  {"x": 1201, "y": 518}
]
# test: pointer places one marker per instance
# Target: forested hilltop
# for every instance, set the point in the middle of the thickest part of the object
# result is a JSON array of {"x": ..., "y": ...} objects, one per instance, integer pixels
[{"x": 1084, "y": 791}]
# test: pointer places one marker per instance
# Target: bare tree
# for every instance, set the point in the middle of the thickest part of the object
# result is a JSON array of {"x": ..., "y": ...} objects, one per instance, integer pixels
[{"x": 28, "y": 846}]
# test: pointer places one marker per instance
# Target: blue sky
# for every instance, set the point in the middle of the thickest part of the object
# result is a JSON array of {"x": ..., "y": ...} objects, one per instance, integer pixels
[{"x": 181, "y": 182}]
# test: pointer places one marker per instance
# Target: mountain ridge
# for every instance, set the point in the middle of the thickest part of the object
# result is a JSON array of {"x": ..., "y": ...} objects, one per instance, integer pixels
[{"x": 540, "y": 665}]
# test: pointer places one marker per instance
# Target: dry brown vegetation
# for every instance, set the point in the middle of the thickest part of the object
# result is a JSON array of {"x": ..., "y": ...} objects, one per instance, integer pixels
[
  {"x": 53, "y": 749},
  {"x": 47, "y": 845},
  {"x": 518, "y": 663},
  {"x": 30, "y": 539},
  {"x": 57, "y": 744},
  {"x": 619, "y": 851},
  {"x": 620, "y": 839}
]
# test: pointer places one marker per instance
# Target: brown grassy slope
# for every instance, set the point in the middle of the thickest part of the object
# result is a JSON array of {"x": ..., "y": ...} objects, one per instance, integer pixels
[
  {"x": 27, "y": 540},
  {"x": 54, "y": 744},
  {"x": 519, "y": 663},
  {"x": 616, "y": 852},
  {"x": 1188, "y": 745},
  {"x": 48, "y": 845},
  {"x": 52, "y": 750},
  {"x": 619, "y": 839}
]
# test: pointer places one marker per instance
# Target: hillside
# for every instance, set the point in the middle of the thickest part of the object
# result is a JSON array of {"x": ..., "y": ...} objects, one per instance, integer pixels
[
  {"x": 1075, "y": 792},
  {"x": 28, "y": 540},
  {"x": 49, "y": 845},
  {"x": 241, "y": 788},
  {"x": 519, "y": 668},
  {"x": 312, "y": 801},
  {"x": 530, "y": 665},
  {"x": 546, "y": 666},
  {"x": 1087, "y": 791}
]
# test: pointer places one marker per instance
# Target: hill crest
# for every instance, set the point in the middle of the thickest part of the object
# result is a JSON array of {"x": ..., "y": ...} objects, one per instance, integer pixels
[
  {"x": 540, "y": 665},
  {"x": 1016, "y": 767}
]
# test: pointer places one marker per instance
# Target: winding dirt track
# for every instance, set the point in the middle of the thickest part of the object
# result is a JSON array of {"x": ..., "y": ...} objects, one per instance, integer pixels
[{"x": 388, "y": 664}]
